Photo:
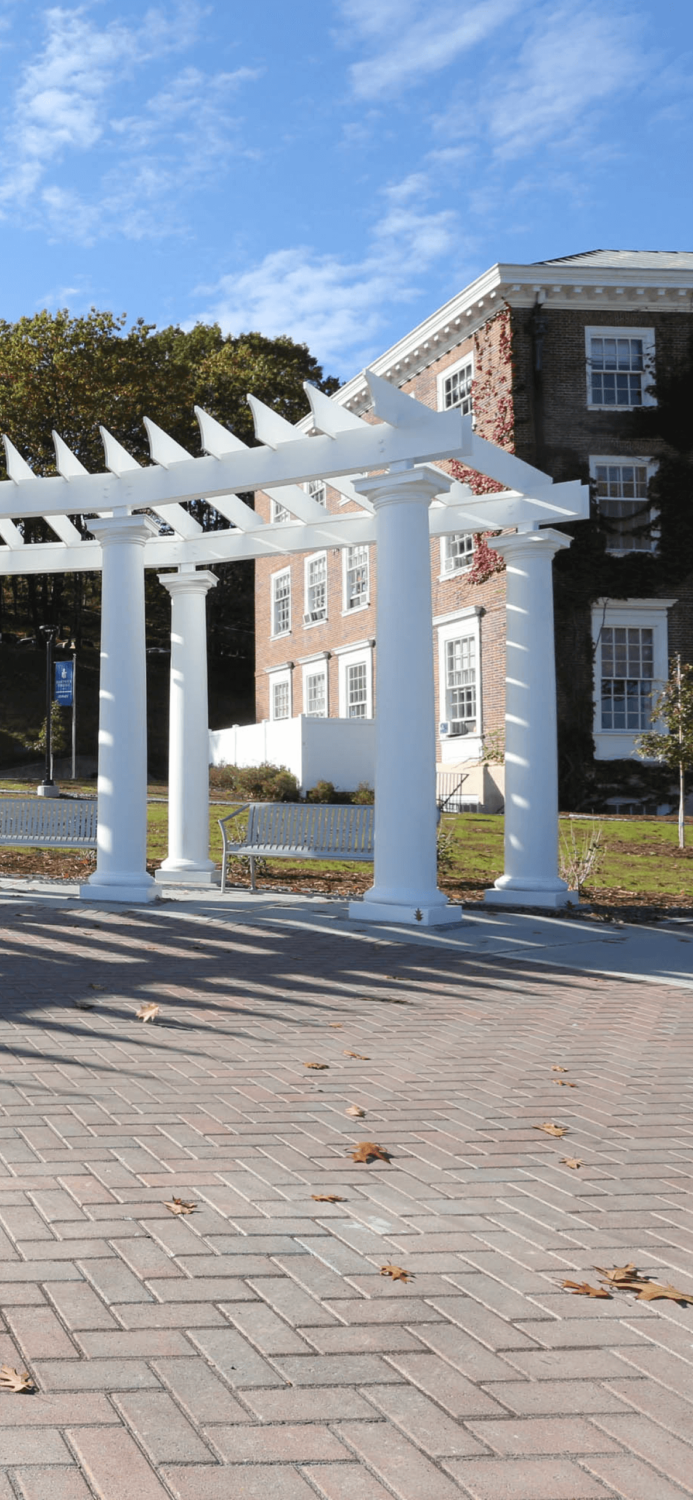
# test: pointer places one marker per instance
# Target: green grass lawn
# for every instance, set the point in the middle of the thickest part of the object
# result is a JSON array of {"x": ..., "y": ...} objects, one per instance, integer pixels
[{"x": 640, "y": 863}]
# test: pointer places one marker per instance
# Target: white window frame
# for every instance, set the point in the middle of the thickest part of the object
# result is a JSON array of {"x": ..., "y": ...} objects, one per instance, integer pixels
[
  {"x": 316, "y": 669},
  {"x": 649, "y": 614},
  {"x": 648, "y": 544},
  {"x": 275, "y": 578},
  {"x": 364, "y": 603},
  {"x": 280, "y": 678},
  {"x": 601, "y": 331},
  {"x": 314, "y": 557},
  {"x": 352, "y": 657},
  {"x": 317, "y": 489},
  {"x": 465, "y": 359},
  {"x": 279, "y": 512},
  {"x": 447, "y": 572},
  {"x": 457, "y": 747}
]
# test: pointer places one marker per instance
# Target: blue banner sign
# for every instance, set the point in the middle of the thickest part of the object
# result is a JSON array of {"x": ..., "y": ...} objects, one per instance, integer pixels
[{"x": 64, "y": 683}]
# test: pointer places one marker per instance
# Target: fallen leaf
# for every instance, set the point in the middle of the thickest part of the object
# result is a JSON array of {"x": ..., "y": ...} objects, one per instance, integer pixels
[
  {"x": 571, "y": 1161},
  {"x": 83, "y": 1005},
  {"x": 15, "y": 1380},
  {"x": 551, "y": 1129},
  {"x": 361, "y": 1055},
  {"x": 337, "y": 1025},
  {"x": 564, "y": 1083},
  {"x": 556, "y": 1068},
  {"x": 177, "y": 1206},
  {"x": 327, "y": 1198},
  {"x": 583, "y": 1289},
  {"x": 619, "y": 1274},
  {"x": 395, "y": 1273},
  {"x": 651, "y": 1292},
  {"x": 359, "y": 1114},
  {"x": 148, "y": 1012},
  {"x": 97, "y": 986},
  {"x": 367, "y": 1149},
  {"x": 319, "y": 1066}
]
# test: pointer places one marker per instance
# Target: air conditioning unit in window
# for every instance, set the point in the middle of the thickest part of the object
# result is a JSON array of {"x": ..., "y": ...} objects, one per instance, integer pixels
[
  {"x": 313, "y": 616},
  {"x": 450, "y": 729}
]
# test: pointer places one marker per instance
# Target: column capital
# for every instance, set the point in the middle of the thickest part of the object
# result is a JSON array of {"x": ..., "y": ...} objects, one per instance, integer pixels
[
  {"x": 110, "y": 530},
  {"x": 405, "y": 486},
  {"x": 198, "y": 581},
  {"x": 544, "y": 542}
]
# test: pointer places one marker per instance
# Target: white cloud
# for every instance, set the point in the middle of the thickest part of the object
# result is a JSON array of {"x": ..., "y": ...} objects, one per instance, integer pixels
[
  {"x": 415, "y": 38},
  {"x": 338, "y": 307}
]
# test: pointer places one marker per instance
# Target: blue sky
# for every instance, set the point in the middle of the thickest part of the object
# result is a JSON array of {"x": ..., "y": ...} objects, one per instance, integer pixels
[{"x": 331, "y": 169}]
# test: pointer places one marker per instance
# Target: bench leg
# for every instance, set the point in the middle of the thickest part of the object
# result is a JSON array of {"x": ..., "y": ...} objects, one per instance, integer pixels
[
  {"x": 251, "y": 862},
  {"x": 223, "y": 873}
]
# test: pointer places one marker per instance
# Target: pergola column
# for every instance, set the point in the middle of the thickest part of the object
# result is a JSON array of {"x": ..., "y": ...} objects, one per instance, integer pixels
[
  {"x": 188, "y": 861},
  {"x": 405, "y": 884},
  {"x": 121, "y": 868},
  {"x": 531, "y": 757}
]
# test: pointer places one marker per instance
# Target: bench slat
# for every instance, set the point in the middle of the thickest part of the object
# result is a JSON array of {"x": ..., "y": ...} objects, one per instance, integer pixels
[
  {"x": 286, "y": 830},
  {"x": 50, "y": 822}
]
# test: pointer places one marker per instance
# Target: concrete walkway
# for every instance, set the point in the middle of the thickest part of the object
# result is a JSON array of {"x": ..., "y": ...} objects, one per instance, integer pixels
[{"x": 253, "y": 1348}]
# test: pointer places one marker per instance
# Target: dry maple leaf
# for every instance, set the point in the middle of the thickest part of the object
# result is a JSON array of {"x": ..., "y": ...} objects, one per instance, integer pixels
[
  {"x": 177, "y": 1206},
  {"x": 361, "y": 1055},
  {"x": 358, "y": 1114},
  {"x": 583, "y": 1289},
  {"x": 337, "y": 1025},
  {"x": 96, "y": 986},
  {"x": 15, "y": 1380},
  {"x": 395, "y": 1273},
  {"x": 556, "y": 1068},
  {"x": 564, "y": 1083},
  {"x": 619, "y": 1274},
  {"x": 367, "y": 1149},
  {"x": 551, "y": 1129},
  {"x": 83, "y": 1005},
  {"x": 327, "y": 1198},
  {"x": 319, "y": 1066},
  {"x": 148, "y": 1012},
  {"x": 571, "y": 1161}
]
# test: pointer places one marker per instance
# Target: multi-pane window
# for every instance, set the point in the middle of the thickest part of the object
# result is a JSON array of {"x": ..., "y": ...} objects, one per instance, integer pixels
[
  {"x": 279, "y": 512},
  {"x": 280, "y": 700},
  {"x": 617, "y": 371},
  {"x": 318, "y": 491},
  {"x": 622, "y": 496},
  {"x": 356, "y": 586},
  {"x": 357, "y": 690},
  {"x": 458, "y": 551},
  {"x": 457, "y": 389},
  {"x": 281, "y": 603},
  {"x": 460, "y": 681},
  {"x": 316, "y": 589},
  {"x": 316, "y": 695},
  {"x": 627, "y": 663}
]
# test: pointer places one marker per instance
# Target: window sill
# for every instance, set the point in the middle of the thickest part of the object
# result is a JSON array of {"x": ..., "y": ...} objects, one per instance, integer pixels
[
  {"x": 282, "y": 634},
  {"x": 616, "y": 408},
  {"x": 314, "y": 624},
  {"x": 356, "y": 610}
]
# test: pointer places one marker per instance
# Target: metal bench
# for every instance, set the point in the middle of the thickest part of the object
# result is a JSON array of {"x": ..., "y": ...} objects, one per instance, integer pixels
[
  {"x": 50, "y": 823},
  {"x": 297, "y": 830}
]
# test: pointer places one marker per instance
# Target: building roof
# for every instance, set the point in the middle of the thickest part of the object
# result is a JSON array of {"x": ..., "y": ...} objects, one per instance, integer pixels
[
  {"x": 636, "y": 260},
  {"x": 640, "y": 281}
]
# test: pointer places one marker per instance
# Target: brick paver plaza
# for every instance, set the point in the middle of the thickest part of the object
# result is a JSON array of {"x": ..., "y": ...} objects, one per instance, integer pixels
[{"x": 253, "y": 1349}]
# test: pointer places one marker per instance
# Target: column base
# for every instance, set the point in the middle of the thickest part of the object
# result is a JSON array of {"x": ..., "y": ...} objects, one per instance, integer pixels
[
  {"x": 137, "y": 891},
  {"x": 409, "y": 916},
  {"x": 550, "y": 899},
  {"x": 192, "y": 875}
]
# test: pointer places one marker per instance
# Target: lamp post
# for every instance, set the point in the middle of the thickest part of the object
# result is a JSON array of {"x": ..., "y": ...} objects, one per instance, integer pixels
[{"x": 48, "y": 787}]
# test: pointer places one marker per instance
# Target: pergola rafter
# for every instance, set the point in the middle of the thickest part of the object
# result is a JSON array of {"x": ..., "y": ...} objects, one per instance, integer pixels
[{"x": 388, "y": 468}]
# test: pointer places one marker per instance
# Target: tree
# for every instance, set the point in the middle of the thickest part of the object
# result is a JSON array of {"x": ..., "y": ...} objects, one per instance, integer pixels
[
  {"x": 74, "y": 373},
  {"x": 675, "y": 747}
]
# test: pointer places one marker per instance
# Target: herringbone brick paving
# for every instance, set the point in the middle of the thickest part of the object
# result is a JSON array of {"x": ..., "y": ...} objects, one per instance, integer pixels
[{"x": 253, "y": 1348}]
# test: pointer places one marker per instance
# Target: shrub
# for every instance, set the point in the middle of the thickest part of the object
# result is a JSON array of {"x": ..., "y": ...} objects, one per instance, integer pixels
[
  {"x": 445, "y": 849},
  {"x": 323, "y": 791},
  {"x": 264, "y": 783},
  {"x": 364, "y": 794}
]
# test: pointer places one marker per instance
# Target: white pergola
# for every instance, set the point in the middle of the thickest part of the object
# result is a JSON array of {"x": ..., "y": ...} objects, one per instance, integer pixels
[{"x": 388, "y": 468}]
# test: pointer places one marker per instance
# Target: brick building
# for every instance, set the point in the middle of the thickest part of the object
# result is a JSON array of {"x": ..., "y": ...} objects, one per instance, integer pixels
[{"x": 554, "y": 359}]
